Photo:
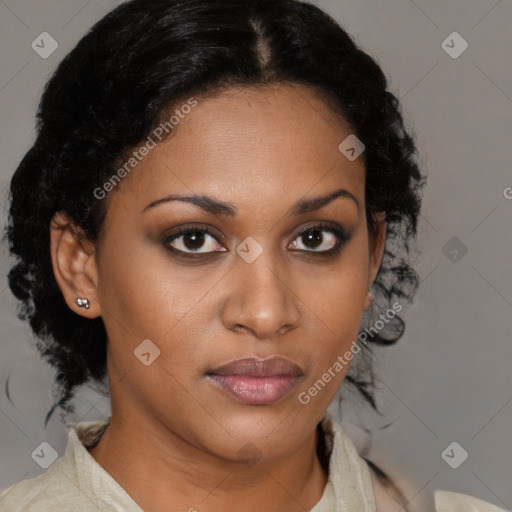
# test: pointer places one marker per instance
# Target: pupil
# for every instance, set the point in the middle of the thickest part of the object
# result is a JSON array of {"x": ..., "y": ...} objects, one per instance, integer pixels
[
  {"x": 313, "y": 237},
  {"x": 193, "y": 240}
]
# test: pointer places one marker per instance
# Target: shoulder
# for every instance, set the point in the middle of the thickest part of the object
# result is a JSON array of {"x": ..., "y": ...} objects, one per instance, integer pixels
[
  {"x": 347, "y": 466},
  {"x": 53, "y": 490},
  {"x": 387, "y": 498},
  {"x": 454, "y": 502},
  {"x": 73, "y": 478}
]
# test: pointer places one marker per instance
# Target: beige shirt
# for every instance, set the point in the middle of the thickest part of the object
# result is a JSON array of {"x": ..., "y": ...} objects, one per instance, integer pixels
[{"x": 77, "y": 483}]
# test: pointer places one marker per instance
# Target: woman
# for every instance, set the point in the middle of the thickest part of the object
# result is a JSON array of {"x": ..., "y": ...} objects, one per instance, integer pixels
[{"x": 218, "y": 191}]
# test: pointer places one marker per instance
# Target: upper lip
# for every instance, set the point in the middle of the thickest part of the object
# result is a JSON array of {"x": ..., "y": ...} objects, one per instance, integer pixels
[{"x": 257, "y": 367}]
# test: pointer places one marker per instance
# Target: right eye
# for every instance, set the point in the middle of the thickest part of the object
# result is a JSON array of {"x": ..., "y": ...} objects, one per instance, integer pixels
[{"x": 191, "y": 240}]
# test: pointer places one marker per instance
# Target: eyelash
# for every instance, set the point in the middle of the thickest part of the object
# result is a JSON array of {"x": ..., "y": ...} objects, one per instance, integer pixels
[{"x": 341, "y": 235}]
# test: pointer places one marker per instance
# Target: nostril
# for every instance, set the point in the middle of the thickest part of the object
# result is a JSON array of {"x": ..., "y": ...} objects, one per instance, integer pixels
[
  {"x": 285, "y": 328},
  {"x": 239, "y": 328}
]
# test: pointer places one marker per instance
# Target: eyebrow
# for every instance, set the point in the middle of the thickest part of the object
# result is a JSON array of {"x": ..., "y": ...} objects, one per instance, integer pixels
[{"x": 217, "y": 207}]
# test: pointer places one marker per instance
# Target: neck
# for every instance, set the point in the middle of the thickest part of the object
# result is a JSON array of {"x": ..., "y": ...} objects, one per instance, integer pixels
[{"x": 156, "y": 467}]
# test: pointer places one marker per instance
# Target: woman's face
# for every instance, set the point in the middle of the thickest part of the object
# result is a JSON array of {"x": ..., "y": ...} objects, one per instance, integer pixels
[{"x": 251, "y": 287}]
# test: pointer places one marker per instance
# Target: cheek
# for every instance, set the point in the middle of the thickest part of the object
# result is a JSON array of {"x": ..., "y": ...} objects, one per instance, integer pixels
[
  {"x": 341, "y": 292},
  {"x": 337, "y": 302},
  {"x": 138, "y": 289},
  {"x": 147, "y": 296}
]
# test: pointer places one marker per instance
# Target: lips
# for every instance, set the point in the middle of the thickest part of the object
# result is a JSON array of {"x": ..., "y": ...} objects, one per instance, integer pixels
[
  {"x": 256, "y": 367},
  {"x": 256, "y": 381}
]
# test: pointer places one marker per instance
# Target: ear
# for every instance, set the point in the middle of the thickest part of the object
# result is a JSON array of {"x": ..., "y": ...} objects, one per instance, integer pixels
[
  {"x": 377, "y": 243},
  {"x": 74, "y": 265}
]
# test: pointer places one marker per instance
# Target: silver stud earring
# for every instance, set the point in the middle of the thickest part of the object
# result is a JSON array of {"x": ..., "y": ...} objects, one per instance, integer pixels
[{"x": 82, "y": 303}]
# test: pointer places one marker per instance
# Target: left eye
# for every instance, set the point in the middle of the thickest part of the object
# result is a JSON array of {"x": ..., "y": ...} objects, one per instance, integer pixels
[
  {"x": 312, "y": 240},
  {"x": 193, "y": 240}
]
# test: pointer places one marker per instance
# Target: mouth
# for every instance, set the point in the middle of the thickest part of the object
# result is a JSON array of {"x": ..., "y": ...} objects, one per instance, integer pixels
[{"x": 255, "y": 381}]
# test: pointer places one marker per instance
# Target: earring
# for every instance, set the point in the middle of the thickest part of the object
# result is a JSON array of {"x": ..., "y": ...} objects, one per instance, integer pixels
[{"x": 82, "y": 303}]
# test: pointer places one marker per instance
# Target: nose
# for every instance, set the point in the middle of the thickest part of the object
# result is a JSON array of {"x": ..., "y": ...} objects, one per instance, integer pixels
[{"x": 260, "y": 299}]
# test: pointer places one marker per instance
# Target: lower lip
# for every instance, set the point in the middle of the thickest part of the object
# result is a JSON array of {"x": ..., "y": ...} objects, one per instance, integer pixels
[{"x": 255, "y": 390}]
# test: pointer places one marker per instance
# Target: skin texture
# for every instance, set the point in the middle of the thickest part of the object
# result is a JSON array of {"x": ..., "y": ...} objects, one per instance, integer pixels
[{"x": 174, "y": 438}]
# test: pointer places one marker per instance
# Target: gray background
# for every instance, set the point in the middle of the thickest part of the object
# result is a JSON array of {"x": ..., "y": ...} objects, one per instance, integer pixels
[{"x": 449, "y": 378}]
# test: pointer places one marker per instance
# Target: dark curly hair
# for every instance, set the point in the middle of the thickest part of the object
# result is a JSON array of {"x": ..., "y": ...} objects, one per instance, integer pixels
[{"x": 114, "y": 88}]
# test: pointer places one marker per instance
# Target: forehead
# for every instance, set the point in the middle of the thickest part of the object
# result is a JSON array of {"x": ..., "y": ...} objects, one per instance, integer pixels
[{"x": 246, "y": 144}]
